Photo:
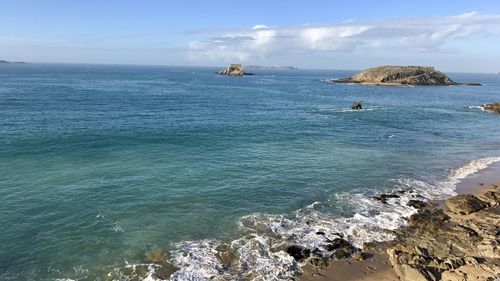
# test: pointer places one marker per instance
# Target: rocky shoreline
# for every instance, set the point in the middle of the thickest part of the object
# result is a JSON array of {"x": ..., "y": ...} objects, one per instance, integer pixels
[{"x": 455, "y": 240}]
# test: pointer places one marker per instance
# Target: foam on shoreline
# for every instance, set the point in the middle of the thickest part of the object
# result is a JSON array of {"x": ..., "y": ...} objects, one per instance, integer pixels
[{"x": 260, "y": 253}]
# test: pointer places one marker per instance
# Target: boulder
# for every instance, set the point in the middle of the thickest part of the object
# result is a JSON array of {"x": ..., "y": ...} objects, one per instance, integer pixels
[
  {"x": 417, "y": 204},
  {"x": 383, "y": 197},
  {"x": 299, "y": 253},
  {"x": 465, "y": 204},
  {"x": 341, "y": 248}
]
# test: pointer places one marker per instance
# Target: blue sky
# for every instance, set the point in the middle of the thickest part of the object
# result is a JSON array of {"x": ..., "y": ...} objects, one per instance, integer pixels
[{"x": 451, "y": 35}]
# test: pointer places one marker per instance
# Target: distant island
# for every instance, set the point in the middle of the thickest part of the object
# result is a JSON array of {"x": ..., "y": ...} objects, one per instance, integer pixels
[
  {"x": 6, "y": 61},
  {"x": 234, "y": 70},
  {"x": 402, "y": 76},
  {"x": 273, "y": 67}
]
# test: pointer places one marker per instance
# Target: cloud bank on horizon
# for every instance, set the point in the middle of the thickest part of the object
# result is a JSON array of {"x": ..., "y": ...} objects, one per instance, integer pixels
[{"x": 406, "y": 35}]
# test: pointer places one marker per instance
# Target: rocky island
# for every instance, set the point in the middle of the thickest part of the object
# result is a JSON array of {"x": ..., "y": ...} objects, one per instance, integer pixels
[
  {"x": 402, "y": 76},
  {"x": 494, "y": 107},
  {"x": 234, "y": 70}
]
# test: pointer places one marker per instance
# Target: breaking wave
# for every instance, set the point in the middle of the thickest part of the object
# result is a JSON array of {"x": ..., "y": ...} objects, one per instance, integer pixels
[{"x": 260, "y": 254}]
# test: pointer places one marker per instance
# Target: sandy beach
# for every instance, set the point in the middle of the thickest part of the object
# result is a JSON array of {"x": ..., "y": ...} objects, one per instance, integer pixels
[{"x": 477, "y": 260}]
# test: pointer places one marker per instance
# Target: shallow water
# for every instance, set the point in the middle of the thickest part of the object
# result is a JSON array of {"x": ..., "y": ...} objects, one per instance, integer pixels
[{"x": 100, "y": 164}]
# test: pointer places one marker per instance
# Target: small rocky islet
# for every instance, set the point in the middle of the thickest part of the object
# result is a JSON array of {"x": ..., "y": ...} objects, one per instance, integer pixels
[
  {"x": 493, "y": 107},
  {"x": 234, "y": 70},
  {"x": 393, "y": 75}
]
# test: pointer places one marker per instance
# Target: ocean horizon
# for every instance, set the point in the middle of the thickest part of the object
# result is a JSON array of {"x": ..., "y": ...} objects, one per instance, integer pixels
[{"x": 120, "y": 172}]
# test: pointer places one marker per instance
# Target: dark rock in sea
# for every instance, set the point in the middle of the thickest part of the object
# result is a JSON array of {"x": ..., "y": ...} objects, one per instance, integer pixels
[
  {"x": 4, "y": 61},
  {"x": 299, "y": 253},
  {"x": 357, "y": 105},
  {"x": 465, "y": 204},
  {"x": 336, "y": 244},
  {"x": 402, "y": 75},
  {"x": 234, "y": 70},
  {"x": 383, "y": 197},
  {"x": 494, "y": 107},
  {"x": 341, "y": 248},
  {"x": 417, "y": 204}
]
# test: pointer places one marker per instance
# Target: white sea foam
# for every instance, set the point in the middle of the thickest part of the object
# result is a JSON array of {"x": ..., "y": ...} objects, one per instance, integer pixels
[
  {"x": 260, "y": 252},
  {"x": 341, "y": 110},
  {"x": 135, "y": 272},
  {"x": 472, "y": 167},
  {"x": 476, "y": 107}
]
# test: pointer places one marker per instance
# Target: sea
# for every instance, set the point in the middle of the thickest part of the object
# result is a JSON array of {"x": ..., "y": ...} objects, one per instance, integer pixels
[{"x": 116, "y": 172}]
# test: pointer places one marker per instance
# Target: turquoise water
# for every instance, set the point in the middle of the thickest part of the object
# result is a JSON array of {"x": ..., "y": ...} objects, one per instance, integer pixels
[{"x": 100, "y": 164}]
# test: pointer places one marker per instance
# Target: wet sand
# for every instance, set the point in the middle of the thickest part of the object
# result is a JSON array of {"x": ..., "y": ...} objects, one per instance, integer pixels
[{"x": 378, "y": 266}]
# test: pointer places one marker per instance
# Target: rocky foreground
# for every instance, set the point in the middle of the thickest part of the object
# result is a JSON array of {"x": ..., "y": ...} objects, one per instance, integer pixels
[
  {"x": 458, "y": 242},
  {"x": 401, "y": 76},
  {"x": 234, "y": 70},
  {"x": 494, "y": 107}
]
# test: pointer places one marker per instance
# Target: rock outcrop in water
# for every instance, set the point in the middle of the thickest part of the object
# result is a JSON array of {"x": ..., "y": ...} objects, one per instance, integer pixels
[
  {"x": 402, "y": 75},
  {"x": 494, "y": 107},
  {"x": 234, "y": 70},
  {"x": 460, "y": 243}
]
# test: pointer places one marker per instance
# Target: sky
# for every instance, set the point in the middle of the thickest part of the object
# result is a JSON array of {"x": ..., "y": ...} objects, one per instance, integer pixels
[{"x": 452, "y": 35}]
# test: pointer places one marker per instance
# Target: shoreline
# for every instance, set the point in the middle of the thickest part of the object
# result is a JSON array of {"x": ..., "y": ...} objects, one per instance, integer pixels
[{"x": 379, "y": 265}]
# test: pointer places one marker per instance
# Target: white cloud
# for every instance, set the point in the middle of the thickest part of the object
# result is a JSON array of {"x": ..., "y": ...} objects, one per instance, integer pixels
[
  {"x": 426, "y": 34},
  {"x": 259, "y": 26}
]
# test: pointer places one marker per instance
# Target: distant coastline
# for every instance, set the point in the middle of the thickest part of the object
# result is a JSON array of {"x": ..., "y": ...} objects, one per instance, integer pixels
[
  {"x": 6, "y": 61},
  {"x": 273, "y": 67}
]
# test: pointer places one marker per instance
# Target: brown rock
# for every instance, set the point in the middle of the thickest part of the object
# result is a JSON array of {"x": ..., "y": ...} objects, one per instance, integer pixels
[
  {"x": 465, "y": 204},
  {"x": 491, "y": 197},
  {"x": 494, "y": 107}
]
